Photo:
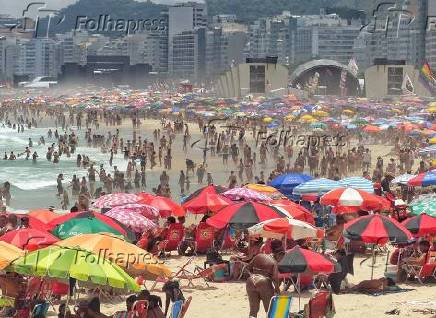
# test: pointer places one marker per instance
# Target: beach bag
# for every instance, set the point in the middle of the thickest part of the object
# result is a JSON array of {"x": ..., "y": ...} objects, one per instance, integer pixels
[{"x": 213, "y": 256}]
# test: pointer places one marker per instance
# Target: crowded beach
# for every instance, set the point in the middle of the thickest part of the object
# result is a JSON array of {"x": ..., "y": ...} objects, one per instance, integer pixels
[{"x": 168, "y": 204}]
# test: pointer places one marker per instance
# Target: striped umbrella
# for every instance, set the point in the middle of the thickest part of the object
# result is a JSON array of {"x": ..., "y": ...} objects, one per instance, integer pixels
[
  {"x": 143, "y": 209},
  {"x": 423, "y": 179},
  {"x": 165, "y": 205},
  {"x": 245, "y": 194},
  {"x": 321, "y": 185},
  {"x": 280, "y": 227},
  {"x": 244, "y": 215},
  {"x": 428, "y": 150},
  {"x": 357, "y": 183},
  {"x": 116, "y": 199},
  {"x": 131, "y": 219},
  {"x": 299, "y": 260},
  {"x": 421, "y": 225},
  {"x": 403, "y": 179},
  {"x": 376, "y": 229},
  {"x": 428, "y": 207},
  {"x": 350, "y": 197}
]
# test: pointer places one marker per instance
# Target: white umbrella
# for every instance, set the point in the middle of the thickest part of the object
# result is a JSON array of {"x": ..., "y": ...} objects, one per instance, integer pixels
[{"x": 280, "y": 227}]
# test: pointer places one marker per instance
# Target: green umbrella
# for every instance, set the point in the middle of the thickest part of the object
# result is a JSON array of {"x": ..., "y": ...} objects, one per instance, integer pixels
[
  {"x": 360, "y": 121},
  {"x": 318, "y": 125},
  {"x": 78, "y": 226},
  {"x": 428, "y": 207},
  {"x": 63, "y": 263}
]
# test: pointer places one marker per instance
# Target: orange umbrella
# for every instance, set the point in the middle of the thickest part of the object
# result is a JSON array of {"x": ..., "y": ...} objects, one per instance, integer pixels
[
  {"x": 8, "y": 254},
  {"x": 44, "y": 215},
  {"x": 371, "y": 129}
]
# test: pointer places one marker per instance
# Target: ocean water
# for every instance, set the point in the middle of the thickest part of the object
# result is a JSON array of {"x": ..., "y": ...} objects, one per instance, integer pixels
[{"x": 34, "y": 184}]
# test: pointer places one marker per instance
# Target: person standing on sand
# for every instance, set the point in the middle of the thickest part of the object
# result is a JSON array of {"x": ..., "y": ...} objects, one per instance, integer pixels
[{"x": 263, "y": 282}]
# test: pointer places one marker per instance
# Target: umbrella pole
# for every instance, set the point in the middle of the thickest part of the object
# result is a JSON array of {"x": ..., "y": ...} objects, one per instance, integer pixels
[{"x": 373, "y": 262}]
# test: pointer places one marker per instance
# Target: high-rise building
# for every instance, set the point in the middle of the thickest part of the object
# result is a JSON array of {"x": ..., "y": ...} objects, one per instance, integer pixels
[
  {"x": 430, "y": 35},
  {"x": 395, "y": 32},
  {"x": 187, "y": 24}
]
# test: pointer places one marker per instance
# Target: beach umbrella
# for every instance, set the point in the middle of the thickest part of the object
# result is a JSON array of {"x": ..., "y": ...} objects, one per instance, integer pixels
[
  {"x": 245, "y": 194},
  {"x": 76, "y": 226},
  {"x": 115, "y": 199},
  {"x": 89, "y": 215},
  {"x": 133, "y": 220},
  {"x": 267, "y": 190},
  {"x": 376, "y": 229},
  {"x": 244, "y": 215},
  {"x": 34, "y": 223},
  {"x": 215, "y": 189},
  {"x": 204, "y": 202},
  {"x": 432, "y": 141},
  {"x": 423, "y": 179},
  {"x": 8, "y": 254},
  {"x": 285, "y": 183},
  {"x": 63, "y": 263},
  {"x": 299, "y": 260},
  {"x": 428, "y": 150},
  {"x": 43, "y": 215},
  {"x": 319, "y": 186},
  {"x": 28, "y": 238},
  {"x": 428, "y": 207},
  {"x": 371, "y": 129},
  {"x": 165, "y": 206},
  {"x": 148, "y": 211},
  {"x": 294, "y": 210},
  {"x": 403, "y": 179},
  {"x": 350, "y": 197},
  {"x": 124, "y": 254},
  {"x": 421, "y": 225},
  {"x": 357, "y": 183},
  {"x": 283, "y": 227}
]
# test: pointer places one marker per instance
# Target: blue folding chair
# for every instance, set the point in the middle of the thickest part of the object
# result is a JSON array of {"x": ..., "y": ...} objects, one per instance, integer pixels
[
  {"x": 280, "y": 307},
  {"x": 177, "y": 309},
  {"x": 40, "y": 310}
]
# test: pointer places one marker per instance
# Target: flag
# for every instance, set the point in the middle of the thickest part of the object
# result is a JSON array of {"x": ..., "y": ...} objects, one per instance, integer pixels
[
  {"x": 426, "y": 77},
  {"x": 352, "y": 66},
  {"x": 407, "y": 86}
]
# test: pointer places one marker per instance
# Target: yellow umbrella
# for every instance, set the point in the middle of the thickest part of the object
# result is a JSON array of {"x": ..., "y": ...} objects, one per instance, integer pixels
[
  {"x": 8, "y": 254},
  {"x": 348, "y": 111},
  {"x": 321, "y": 113},
  {"x": 307, "y": 117},
  {"x": 289, "y": 118},
  {"x": 432, "y": 109},
  {"x": 129, "y": 256},
  {"x": 267, "y": 120},
  {"x": 432, "y": 104},
  {"x": 433, "y": 141},
  {"x": 267, "y": 190}
]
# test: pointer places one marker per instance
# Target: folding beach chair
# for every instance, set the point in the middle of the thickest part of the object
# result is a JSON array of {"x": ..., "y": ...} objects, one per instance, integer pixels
[
  {"x": 279, "y": 307},
  {"x": 139, "y": 309},
  {"x": 40, "y": 310},
  {"x": 175, "y": 236},
  {"x": 180, "y": 308},
  {"x": 423, "y": 272},
  {"x": 321, "y": 305},
  {"x": 175, "y": 275},
  {"x": 204, "y": 238}
]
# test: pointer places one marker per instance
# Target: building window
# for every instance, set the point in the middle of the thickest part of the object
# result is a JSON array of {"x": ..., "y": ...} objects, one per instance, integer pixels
[
  {"x": 395, "y": 80},
  {"x": 257, "y": 79}
]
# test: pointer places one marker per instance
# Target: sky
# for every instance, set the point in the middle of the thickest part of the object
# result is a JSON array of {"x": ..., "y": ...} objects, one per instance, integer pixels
[{"x": 16, "y": 7}]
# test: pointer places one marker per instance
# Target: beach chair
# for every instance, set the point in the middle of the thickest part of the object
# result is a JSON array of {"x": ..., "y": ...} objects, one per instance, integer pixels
[
  {"x": 40, "y": 310},
  {"x": 176, "y": 234},
  {"x": 198, "y": 273},
  {"x": 321, "y": 305},
  {"x": 279, "y": 307},
  {"x": 229, "y": 240},
  {"x": 139, "y": 309},
  {"x": 204, "y": 238},
  {"x": 423, "y": 272},
  {"x": 175, "y": 275},
  {"x": 180, "y": 308}
]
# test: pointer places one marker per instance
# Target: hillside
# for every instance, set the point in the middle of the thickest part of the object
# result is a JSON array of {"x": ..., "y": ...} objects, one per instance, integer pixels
[{"x": 246, "y": 10}]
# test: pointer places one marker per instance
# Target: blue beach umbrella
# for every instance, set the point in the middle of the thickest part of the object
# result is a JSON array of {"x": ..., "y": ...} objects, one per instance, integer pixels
[{"x": 285, "y": 183}]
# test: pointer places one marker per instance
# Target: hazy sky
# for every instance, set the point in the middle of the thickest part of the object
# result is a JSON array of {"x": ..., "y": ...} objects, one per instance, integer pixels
[{"x": 15, "y": 7}]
